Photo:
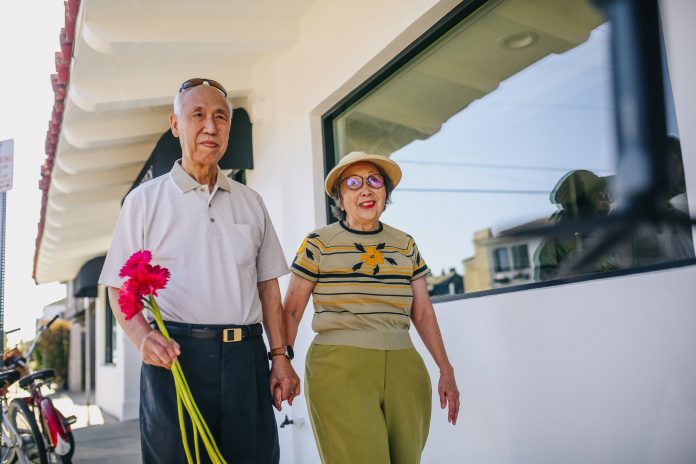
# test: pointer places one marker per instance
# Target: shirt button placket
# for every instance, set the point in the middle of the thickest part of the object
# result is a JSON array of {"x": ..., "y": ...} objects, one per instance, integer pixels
[{"x": 210, "y": 205}]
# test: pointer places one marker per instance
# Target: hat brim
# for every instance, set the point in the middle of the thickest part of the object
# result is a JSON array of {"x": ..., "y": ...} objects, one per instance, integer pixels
[{"x": 390, "y": 168}]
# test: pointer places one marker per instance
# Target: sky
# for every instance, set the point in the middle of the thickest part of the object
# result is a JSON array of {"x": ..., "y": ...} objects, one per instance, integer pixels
[{"x": 29, "y": 33}]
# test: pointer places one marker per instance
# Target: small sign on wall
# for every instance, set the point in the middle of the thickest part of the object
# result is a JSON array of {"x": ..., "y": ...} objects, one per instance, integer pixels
[{"x": 6, "y": 159}]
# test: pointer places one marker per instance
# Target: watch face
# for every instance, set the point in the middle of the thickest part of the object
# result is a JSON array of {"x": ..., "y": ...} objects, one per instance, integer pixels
[{"x": 290, "y": 352}]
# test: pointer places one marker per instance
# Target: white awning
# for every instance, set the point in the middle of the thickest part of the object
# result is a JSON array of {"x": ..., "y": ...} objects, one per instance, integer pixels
[{"x": 128, "y": 60}]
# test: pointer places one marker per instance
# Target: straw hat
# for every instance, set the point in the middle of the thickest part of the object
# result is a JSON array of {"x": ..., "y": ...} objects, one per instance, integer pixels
[
  {"x": 390, "y": 168},
  {"x": 575, "y": 185}
]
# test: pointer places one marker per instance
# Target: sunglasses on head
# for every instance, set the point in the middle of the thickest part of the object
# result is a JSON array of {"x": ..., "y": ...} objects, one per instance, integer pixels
[
  {"x": 354, "y": 182},
  {"x": 196, "y": 81}
]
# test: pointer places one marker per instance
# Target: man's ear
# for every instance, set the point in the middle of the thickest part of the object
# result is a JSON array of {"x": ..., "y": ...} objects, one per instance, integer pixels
[{"x": 174, "y": 124}]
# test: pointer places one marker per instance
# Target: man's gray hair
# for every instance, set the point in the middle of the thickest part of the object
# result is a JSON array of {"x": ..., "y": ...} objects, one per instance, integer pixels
[
  {"x": 179, "y": 97},
  {"x": 339, "y": 211}
]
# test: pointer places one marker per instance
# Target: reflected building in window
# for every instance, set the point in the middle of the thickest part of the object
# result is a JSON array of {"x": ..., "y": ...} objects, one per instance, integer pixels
[
  {"x": 503, "y": 259},
  {"x": 448, "y": 283}
]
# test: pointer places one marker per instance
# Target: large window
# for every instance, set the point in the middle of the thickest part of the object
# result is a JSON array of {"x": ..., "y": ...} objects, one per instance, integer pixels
[{"x": 503, "y": 121}]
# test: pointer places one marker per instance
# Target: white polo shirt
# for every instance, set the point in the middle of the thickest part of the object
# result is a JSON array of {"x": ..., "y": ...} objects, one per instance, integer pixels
[{"x": 216, "y": 245}]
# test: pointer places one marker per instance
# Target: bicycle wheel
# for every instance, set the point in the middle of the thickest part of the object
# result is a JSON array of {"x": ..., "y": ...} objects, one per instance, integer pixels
[
  {"x": 24, "y": 421},
  {"x": 8, "y": 453}
]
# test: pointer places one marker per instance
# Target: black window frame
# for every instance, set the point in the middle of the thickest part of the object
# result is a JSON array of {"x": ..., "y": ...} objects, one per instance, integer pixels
[
  {"x": 109, "y": 339},
  {"x": 439, "y": 29}
]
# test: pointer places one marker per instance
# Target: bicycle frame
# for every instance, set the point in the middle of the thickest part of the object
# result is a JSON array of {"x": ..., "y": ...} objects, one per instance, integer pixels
[{"x": 55, "y": 427}]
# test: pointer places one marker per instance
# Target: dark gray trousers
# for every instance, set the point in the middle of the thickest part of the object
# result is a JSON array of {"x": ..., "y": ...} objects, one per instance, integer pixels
[{"x": 230, "y": 383}]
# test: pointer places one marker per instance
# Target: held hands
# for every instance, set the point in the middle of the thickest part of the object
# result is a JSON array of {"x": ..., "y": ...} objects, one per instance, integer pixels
[
  {"x": 285, "y": 384},
  {"x": 449, "y": 394},
  {"x": 157, "y": 351}
]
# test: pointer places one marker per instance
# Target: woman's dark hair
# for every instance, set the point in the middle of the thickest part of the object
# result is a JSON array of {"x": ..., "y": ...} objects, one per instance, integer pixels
[{"x": 337, "y": 209}]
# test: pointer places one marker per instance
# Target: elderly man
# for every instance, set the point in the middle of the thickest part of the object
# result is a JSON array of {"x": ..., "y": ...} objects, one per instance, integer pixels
[{"x": 216, "y": 238}]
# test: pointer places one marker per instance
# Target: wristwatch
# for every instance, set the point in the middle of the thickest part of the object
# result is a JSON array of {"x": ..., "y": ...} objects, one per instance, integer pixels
[{"x": 282, "y": 351}]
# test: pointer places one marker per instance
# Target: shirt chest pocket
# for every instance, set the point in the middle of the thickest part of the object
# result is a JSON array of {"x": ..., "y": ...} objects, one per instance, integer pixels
[{"x": 243, "y": 244}]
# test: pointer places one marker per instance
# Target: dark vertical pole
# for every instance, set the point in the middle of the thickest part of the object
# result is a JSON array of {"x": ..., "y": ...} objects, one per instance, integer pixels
[
  {"x": 3, "y": 200},
  {"x": 88, "y": 356},
  {"x": 639, "y": 103}
]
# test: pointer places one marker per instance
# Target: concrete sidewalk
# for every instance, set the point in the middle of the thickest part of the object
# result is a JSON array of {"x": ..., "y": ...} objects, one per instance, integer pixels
[
  {"x": 99, "y": 438},
  {"x": 117, "y": 443}
]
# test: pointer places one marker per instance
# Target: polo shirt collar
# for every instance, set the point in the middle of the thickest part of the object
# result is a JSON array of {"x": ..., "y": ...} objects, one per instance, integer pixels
[{"x": 185, "y": 183}]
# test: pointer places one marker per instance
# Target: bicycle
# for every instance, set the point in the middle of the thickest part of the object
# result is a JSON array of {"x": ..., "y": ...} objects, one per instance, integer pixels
[
  {"x": 54, "y": 428},
  {"x": 20, "y": 438}
]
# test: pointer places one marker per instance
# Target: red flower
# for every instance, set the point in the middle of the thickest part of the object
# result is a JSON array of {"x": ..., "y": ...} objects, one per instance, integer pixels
[
  {"x": 143, "y": 280},
  {"x": 149, "y": 280},
  {"x": 130, "y": 300},
  {"x": 136, "y": 263}
]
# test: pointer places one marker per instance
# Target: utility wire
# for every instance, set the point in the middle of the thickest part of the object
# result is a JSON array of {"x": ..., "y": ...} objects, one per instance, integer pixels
[
  {"x": 492, "y": 191},
  {"x": 497, "y": 166}
]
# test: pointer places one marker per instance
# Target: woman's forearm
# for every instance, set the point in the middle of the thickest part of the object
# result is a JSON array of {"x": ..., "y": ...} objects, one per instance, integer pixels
[
  {"x": 291, "y": 327},
  {"x": 429, "y": 332},
  {"x": 294, "y": 304},
  {"x": 425, "y": 321}
]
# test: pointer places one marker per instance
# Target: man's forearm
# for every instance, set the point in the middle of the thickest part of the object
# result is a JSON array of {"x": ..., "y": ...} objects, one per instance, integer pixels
[
  {"x": 137, "y": 328},
  {"x": 272, "y": 308}
]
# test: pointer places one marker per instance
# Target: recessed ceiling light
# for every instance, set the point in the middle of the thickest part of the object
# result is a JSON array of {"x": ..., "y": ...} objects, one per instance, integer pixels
[{"x": 519, "y": 40}]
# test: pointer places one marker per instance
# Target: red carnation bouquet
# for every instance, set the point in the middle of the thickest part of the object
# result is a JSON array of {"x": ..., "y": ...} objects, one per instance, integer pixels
[{"x": 138, "y": 292}]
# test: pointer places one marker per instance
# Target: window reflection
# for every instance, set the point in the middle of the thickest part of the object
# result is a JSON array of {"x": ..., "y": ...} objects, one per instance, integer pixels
[
  {"x": 502, "y": 125},
  {"x": 577, "y": 195}
]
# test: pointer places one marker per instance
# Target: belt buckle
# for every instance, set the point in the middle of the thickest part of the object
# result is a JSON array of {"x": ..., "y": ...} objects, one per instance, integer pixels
[{"x": 236, "y": 335}]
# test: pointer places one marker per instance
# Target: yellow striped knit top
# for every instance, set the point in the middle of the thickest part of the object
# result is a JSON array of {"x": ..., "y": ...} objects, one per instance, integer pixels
[{"x": 362, "y": 295}]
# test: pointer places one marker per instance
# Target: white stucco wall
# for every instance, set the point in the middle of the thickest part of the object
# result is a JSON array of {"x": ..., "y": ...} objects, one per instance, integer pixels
[
  {"x": 117, "y": 384},
  {"x": 593, "y": 372}
]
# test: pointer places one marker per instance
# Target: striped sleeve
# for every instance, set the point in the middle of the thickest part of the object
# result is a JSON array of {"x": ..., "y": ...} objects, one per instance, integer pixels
[
  {"x": 420, "y": 269},
  {"x": 306, "y": 262}
]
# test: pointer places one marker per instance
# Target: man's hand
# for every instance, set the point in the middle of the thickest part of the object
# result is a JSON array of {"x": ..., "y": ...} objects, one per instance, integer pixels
[
  {"x": 285, "y": 384},
  {"x": 157, "y": 351}
]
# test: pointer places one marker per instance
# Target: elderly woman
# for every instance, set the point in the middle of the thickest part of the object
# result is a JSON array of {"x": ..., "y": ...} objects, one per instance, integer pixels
[{"x": 367, "y": 387}]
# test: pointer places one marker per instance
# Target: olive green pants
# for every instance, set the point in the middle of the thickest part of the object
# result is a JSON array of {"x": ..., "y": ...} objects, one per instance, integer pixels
[{"x": 368, "y": 406}]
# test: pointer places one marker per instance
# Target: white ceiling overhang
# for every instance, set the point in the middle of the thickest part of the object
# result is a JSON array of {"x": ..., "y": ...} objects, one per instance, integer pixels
[{"x": 128, "y": 60}]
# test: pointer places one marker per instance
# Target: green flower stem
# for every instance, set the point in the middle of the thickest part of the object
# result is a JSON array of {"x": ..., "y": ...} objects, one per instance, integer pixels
[
  {"x": 179, "y": 375},
  {"x": 182, "y": 427},
  {"x": 195, "y": 443},
  {"x": 215, "y": 458},
  {"x": 184, "y": 392},
  {"x": 198, "y": 412},
  {"x": 180, "y": 396},
  {"x": 196, "y": 415}
]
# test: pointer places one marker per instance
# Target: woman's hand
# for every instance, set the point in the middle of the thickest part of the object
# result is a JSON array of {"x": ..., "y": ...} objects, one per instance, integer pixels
[{"x": 449, "y": 394}]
